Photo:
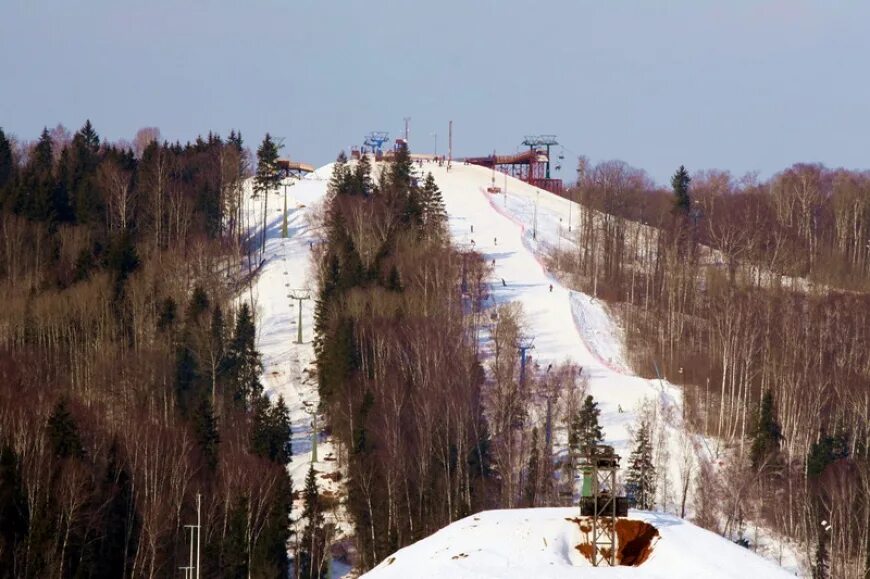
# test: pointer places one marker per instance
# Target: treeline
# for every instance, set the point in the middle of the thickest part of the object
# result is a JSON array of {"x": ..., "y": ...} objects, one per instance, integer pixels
[
  {"x": 396, "y": 357},
  {"x": 128, "y": 383},
  {"x": 753, "y": 297}
]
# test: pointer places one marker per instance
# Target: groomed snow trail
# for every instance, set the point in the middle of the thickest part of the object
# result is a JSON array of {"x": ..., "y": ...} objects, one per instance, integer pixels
[
  {"x": 566, "y": 325},
  {"x": 287, "y": 366}
]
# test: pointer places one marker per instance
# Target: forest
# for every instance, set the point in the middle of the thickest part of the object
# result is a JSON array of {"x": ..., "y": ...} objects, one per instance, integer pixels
[
  {"x": 753, "y": 296},
  {"x": 129, "y": 375},
  {"x": 435, "y": 422}
]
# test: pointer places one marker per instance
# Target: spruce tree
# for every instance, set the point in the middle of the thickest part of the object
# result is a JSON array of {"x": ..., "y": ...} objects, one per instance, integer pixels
[
  {"x": 166, "y": 315},
  {"x": 63, "y": 432},
  {"x": 824, "y": 452},
  {"x": 267, "y": 177},
  {"x": 271, "y": 433},
  {"x": 821, "y": 566},
  {"x": 435, "y": 215},
  {"x": 339, "y": 181},
  {"x": 641, "y": 479},
  {"x": 87, "y": 198},
  {"x": 585, "y": 432},
  {"x": 311, "y": 561},
  {"x": 206, "y": 427},
  {"x": 243, "y": 365},
  {"x": 533, "y": 471},
  {"x": 13, "y": 510},
  {"x": 765, "y": 443},
  {"x": 7, "y": 166},
  {"x": 186, "y": 376},
  {"x": 37, "y": 182},
  {"x": 680, "y": 184},
  {"x": 198, "y": 305},
  {"x": 362, "y": 179}
]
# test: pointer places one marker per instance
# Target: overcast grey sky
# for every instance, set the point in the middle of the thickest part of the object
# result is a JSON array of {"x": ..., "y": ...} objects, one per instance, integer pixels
[{"x": 734, "y": 84}]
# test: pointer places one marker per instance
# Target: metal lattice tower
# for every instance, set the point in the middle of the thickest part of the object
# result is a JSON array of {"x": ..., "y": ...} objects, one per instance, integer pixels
[{"x": 599, "y": 501}]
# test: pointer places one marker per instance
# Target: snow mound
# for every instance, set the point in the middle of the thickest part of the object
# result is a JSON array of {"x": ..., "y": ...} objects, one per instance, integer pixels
[{"x": 544, "y": 542}]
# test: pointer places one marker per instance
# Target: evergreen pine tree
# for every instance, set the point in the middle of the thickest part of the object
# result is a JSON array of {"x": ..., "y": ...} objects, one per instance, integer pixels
[
  {"x": 186, "y": 376},
  {"x": 37, "y": 182},
  {"x": 267, "y": 177},
  {"x": 821, "y": 566},
  {"x": 216, "y": 345},
  {"x": 641, "y": 479},
  {"x": 312, "y": 556},
  {"x": 680, "y": 183},
  {"x": 394, "y": 281},
  {"x": 825, "y": 451},
  {"x": 585, "y": 432},
  {"x": 122, "y": 259},
  {"x": 198, "y": 305},
  {"x": 765, "y": 444},
  {"x": 87, "y": 197},
  {"x": 435, "y": 215},
  {"x": 119, "y": 519},
  {"x": 206, "y": 427},
  {"x": 362, "y": 179},
  {"x": 13, "y": 510},
  {"x": 7, "y": 167},
  {"x": 533, "y": 471},
  {"x": 339, "y": 181},
  {"x": 283, "y": 432},
  {"x": 166, "y": 315},
  {"x": 271, "y": 434},
  {"x": 243, "y": 365},
  {"x": 63, "y": 433}
]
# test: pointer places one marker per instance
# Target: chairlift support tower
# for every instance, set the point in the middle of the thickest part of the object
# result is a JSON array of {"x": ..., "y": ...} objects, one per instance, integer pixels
[
  {"x": 526, "y": 343},
  {"x": 375, "y": 141},
  {"x": 533, "y": 142}
]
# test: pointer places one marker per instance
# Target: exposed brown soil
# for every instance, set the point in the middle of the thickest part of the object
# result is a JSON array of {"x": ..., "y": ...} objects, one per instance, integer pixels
[{"x": 634, "y": 541}]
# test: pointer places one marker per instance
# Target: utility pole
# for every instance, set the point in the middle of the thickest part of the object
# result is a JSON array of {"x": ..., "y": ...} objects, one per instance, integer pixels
[
  {"x": 449, "y": 144},
  {"x": 299, "y": 295},
  {"x": 265, "y": 212},
  {"x": 198, "y": 529},
  {"x": 434, "y": 134},
  {"x": 191, "y": 570},
  {"x": 284, "y": 223},
  {"x": 313, "y": 414},
  {"x": 407, "y": 124},
  {"x": 535, "y": 224},
  {"x": 570, "y": 203}
]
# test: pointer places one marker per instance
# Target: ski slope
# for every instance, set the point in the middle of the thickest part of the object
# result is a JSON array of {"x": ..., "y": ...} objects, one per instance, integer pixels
[
  {"x": 287, "y": 366},
  {"x": 523, "y": 543},
  {"x": 565, "y": 324}
]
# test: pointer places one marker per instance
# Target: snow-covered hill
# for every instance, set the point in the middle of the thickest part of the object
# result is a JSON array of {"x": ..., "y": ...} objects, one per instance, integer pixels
[
  {"x": 542, "y": 543},
  {"x": 567, "y": 325}
]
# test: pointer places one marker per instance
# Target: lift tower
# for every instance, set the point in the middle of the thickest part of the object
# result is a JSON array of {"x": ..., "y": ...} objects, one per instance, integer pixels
[{"x": 547, "y": 141}]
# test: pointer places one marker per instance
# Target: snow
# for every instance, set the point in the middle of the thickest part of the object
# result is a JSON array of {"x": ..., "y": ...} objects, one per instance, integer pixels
[
  {"x": 523, "y": 543},
  {"x": 287, "y": 366},
  {"x": 565, "y": 324}
]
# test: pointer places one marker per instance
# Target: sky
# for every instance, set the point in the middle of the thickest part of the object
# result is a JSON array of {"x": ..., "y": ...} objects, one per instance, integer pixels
[{"x": 735, "y": 85}]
